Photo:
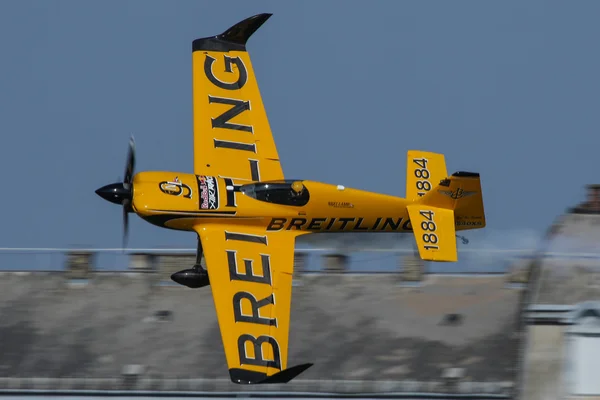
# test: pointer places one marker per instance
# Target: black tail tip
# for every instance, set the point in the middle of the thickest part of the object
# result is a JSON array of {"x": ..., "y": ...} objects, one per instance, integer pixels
[
  {"x": 247, "y": 377},
  {"x": 464, "y": 174}
]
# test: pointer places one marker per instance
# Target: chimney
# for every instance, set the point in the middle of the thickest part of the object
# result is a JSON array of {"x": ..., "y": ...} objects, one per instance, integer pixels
[
  {"x": 592, "y": 203},
  {"x": 335, "y": 262},
  {"x": 593, "y": 197},
  {"x": 412, "y": 268},
  {"x": 299, "y": 267},
  {"x": 79, "y": 265}
]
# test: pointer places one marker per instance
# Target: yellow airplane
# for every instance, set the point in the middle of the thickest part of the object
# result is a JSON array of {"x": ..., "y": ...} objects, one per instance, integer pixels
[{"x": 247, "y": 215}]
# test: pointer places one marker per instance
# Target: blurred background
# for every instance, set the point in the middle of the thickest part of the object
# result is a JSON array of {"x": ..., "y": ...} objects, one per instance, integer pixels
[{"x": 507, "y": 89}]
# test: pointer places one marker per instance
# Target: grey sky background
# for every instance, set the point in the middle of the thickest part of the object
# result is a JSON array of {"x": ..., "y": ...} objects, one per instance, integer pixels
[{"x": 508, "y": 89}]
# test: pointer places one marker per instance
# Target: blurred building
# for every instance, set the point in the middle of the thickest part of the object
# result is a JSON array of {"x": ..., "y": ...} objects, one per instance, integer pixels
[
  {"x": 561, "y": 353},
  {"x": 409, "y": 332}
]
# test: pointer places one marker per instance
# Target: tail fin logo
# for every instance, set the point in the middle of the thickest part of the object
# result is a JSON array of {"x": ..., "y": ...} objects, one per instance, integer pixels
[{"x": 457, "y": 194}]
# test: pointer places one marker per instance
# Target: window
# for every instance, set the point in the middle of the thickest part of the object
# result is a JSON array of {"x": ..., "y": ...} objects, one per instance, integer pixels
[
  {"x": 287, "y": 193},
  {"x": 584, "y": 352}
]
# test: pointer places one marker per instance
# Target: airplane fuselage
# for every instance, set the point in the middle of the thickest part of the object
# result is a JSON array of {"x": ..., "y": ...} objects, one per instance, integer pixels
[{"x": 180, "y": 201}]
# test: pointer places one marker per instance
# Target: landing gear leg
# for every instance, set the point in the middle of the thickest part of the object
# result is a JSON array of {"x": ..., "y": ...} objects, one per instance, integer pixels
[
  {"x": 199, "y": 253},
  {"x": 195, "y": 277}
]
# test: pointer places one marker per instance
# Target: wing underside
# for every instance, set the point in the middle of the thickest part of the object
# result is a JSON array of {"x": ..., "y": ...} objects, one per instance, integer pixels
[
  {"x": 250, "y": 275},
  {"x": 232, "y": 136}
]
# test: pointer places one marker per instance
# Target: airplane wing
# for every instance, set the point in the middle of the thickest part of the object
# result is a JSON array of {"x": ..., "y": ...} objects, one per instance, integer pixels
[
  {"x": 232, "y": 136},
  {"x": 250, "y": 273}
]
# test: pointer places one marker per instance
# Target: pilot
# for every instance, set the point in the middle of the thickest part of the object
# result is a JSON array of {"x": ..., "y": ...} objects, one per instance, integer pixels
[{"x": 297, "y": 188}]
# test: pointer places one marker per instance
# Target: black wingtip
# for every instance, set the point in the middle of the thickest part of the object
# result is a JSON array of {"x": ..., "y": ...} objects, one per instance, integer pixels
[
  {"x": 234, "y": 38},
  {"x": 241, "y": 32},
  {"x": 245, "y": 377}
]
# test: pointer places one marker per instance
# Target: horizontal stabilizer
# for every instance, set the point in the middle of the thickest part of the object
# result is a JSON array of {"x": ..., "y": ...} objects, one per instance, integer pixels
[
  {"x": 434, "y": 232},
  {"x": 246, "y": 377}
]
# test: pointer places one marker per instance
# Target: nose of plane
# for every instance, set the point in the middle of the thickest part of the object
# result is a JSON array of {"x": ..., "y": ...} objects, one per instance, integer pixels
[{"x": 115, "y": 192}]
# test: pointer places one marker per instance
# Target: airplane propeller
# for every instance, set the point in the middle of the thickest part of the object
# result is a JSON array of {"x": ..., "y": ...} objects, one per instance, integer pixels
[{"x": 122, "y": 192}]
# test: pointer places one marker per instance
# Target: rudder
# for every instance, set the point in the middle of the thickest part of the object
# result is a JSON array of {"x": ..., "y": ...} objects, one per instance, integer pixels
[{"x": 460, "y": 192}]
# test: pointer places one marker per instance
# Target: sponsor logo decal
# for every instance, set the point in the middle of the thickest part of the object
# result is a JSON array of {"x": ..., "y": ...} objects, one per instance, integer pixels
[
  {"x": 176, "y": 188},
  {"x": 469, "y": 223},
  {"x": 335, "y": 224},
  {"x": 340, "y": 204},
  {"x": 208, "y": 192},
  {"x": 457, "y": 194},
  {"x": 461, "y": 217},
  {"x": 230, "y": 106}
]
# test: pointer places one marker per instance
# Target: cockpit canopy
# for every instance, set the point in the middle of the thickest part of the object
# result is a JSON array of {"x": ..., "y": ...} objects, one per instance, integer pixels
[{"x": 284, "y": 192}]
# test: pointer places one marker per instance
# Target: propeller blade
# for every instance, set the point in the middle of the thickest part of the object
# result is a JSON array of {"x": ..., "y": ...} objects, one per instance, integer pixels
[
  {"x": 125, "y": 222},
  {"x": 130, "y": 165}
]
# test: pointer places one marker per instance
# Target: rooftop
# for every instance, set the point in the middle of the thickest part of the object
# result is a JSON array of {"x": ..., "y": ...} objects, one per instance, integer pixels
[
  {"x": 568, "y": 281},
  {"x": 352, "y": 327}
]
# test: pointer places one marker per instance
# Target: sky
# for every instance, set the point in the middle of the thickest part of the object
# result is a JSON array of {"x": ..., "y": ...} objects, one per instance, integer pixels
[{"x": 507, "y": 89}]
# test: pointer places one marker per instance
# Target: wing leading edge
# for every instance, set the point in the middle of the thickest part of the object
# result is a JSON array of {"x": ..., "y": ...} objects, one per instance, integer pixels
[
  {"x": 232, "y": 136},
  {"x": 250, "y": 275}
]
